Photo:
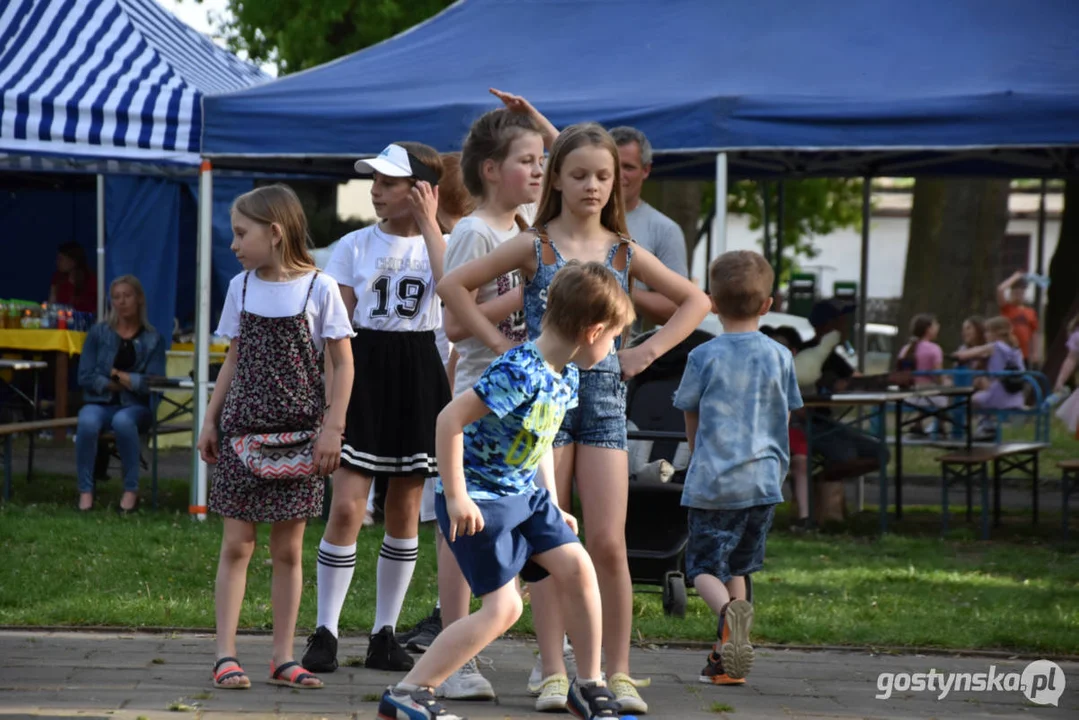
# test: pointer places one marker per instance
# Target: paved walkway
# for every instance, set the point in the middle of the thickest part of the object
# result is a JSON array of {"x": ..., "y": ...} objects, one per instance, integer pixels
[{"x": 135, "y": 676}]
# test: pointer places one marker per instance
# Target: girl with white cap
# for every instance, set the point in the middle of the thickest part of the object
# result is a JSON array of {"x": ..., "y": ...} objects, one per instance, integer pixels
[{"x": 387, "y": 274}]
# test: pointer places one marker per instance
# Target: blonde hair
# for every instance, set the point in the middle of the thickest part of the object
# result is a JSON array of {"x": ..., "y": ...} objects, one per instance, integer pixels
[
  {"x": 583, "y": 295},
  {"x": 1001, "y": 327},
  {"x": 140, "y": 295},
  {"x": 278, "y": 205},
  {"x": 613, "y": 216},
  {"x": 740, "y": 282}
]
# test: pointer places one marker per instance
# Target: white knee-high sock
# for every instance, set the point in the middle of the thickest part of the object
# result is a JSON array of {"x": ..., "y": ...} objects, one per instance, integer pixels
[
  {"x": 336, "y": 564},
  {"x": 396, "y": 561}
]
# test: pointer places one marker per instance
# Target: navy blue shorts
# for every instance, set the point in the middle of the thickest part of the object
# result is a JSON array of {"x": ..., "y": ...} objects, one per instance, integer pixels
[
  {"x": 515, "y": 528},
  {"x": 727, "y": 543}
]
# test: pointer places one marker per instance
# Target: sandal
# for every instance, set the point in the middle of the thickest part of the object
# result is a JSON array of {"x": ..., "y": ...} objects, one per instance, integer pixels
[
  {"x": 220, "y": 676},
  {"x": 295, "y": 678}
]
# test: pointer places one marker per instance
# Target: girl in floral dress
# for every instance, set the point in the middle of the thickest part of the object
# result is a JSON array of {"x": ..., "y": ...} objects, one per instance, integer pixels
[{"x": 281, "y": 315}]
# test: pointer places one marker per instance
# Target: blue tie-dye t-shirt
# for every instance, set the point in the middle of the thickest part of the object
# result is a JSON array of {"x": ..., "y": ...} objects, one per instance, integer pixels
[
  {"x": 528, "y": 401},
  {"x": 743, "y": 386}
]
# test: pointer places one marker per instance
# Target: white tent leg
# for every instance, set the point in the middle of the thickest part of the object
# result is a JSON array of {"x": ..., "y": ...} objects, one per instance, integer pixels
[
  {"x": 100, "y": 247},
  {"x": 863, "y": 275},
  {"x": 202, "y": 335},
  {"x": 719, "y": 223}
]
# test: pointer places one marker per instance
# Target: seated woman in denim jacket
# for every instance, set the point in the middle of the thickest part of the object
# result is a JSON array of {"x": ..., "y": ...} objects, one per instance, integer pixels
[{"x": 118, "y": 356}]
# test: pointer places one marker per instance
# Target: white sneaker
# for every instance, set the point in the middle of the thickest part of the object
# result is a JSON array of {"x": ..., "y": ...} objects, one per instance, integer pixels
[
  {"x": 553, "y": 693},
  {"x": 466, "y": 684},
  {"x": 536, "y": 679}
]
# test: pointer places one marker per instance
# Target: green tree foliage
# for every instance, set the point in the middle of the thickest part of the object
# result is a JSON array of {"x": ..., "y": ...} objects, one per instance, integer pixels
[
  {"x": 299, "y": 34},
  {"x": 813, "y": 207}
]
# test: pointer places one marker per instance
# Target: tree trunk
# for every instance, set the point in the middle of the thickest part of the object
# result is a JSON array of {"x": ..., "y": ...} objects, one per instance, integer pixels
[
  {"x": 953, "y": 254},
  {"x": 1063, "y": 294},
  {"x": 680, "y": 200}
]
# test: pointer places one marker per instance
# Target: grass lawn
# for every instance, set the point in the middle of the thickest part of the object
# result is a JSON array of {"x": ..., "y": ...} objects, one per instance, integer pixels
[{"x": 1019, "y": 592}]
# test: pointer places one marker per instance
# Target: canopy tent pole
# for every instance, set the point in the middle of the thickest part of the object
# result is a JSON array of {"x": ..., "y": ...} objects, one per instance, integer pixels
[
  {"x": 719, "y": 223},
  {"x": 197, "y": 507},
  {"x": 780, "y": 204},
  {"x": 1039, "y": 292},
  {"x": 767, "y": 203},
  {"x": 100, "y": 247},
  {"x": 863, "y": 275}
]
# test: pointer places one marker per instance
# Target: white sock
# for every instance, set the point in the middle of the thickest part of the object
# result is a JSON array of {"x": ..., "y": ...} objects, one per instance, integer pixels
[
  {"x": 335, "y": 567},
  {"x": 438, "y": 604},
  {"x": 396, "y": 561}
]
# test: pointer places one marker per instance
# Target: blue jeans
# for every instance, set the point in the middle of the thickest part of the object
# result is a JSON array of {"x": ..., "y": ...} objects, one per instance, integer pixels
[{"x": 126, "y": 423}]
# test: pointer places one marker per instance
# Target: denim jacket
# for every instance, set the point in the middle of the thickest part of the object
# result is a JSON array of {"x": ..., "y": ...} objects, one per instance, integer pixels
[{"x": 99, "y": 353}]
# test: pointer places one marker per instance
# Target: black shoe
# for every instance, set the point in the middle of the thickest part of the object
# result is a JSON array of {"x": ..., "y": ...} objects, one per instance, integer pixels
[
  {"x": 385, "y": 653},
  {"x": 404, "y": 637},
  {"x": 588, "y": 702},
  {"x": 425, "y": 633},
  {"x": 321, "y": 653}
]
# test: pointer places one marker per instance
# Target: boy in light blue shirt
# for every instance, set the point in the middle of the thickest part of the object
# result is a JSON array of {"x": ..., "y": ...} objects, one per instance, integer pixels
[{"x": 737, "y": 392}]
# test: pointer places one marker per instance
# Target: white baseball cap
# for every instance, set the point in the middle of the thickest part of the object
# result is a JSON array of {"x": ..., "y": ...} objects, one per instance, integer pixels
[{"x": 395, "y": 161}]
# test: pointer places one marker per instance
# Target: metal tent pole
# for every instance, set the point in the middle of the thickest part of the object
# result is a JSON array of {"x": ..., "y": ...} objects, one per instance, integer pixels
[
  {"x": 100, "y": 247},
  {"x": 197, "y": 507}
]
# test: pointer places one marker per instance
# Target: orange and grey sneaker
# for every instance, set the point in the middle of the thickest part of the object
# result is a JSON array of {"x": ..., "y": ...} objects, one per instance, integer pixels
[
  {"x": 734, "y": 649},
  {"x": 714, "y": 674}
]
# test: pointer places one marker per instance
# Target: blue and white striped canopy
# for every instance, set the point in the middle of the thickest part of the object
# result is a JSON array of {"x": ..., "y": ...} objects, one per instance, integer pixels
[{"x": 107, "y": 79}]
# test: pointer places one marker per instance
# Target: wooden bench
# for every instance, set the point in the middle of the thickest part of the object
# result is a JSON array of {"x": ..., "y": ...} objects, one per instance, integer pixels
[
  {"x": 966, "y": 465},
  {"x": 10, "y": 430},
  {"x": 1069, "y": 483}
]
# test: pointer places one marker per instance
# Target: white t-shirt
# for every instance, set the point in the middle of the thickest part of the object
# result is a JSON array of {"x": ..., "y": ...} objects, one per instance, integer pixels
[
  {"x": 326, "y": 313},
  {"x": 392, "y": 279},
  {"x": 472, "y": 238}
]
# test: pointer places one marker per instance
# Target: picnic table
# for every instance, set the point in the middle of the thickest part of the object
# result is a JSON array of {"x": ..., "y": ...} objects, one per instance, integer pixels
[
  {"x": 959, "y": 398},
  {"x": 61, "y": 345}
]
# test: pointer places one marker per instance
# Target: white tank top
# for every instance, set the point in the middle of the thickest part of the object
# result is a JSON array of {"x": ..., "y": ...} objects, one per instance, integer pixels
[{"x": 392, "y": 279}]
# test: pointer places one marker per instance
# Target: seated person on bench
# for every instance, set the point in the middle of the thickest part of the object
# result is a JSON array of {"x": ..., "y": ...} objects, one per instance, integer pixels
[
  {"x": 118, "y": 357},
  {"x": 847, "y": 452}
]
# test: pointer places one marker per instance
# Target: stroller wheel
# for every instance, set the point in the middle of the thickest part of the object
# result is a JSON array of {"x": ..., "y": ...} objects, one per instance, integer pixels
[{"x": 674, "y": 594}]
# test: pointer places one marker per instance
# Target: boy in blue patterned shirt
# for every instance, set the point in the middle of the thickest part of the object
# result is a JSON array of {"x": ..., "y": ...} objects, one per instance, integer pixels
[
  {"x": 737, "y": 392},
  {"x": 498, "y": 523}
]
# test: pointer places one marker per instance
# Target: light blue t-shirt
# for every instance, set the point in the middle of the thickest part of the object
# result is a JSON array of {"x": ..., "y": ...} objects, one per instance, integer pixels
[
  {"x": 528, "y": 400},
  {"x": 743, "y": 386}
]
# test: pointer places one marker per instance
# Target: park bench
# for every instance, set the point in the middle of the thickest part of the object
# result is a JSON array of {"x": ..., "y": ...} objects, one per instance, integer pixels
[
  {"x": 1069, "y": 482},
  {"x": 965, "y": 465},
  {"x": 10, "y": 430}
]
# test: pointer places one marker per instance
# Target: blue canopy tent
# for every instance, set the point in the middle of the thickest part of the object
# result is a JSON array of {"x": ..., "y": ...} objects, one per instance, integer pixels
[
  {"x": 761, "y": 89},
  {"x": 836, "y": 87},
  {"x": 110, "y": 88}
]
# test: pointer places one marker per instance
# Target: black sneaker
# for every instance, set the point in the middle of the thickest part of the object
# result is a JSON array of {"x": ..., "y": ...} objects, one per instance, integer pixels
[
  {"x": 426, "y": 632},
  {"x": 321, "y": 653},
  {"x": 593, "y": 701},
  {"x": 384, "y": 653},
  {"x": 430, "y": 625}
]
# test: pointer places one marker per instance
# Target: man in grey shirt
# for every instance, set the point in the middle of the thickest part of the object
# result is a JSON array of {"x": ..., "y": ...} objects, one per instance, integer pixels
[{"x": 652, "y": 230}]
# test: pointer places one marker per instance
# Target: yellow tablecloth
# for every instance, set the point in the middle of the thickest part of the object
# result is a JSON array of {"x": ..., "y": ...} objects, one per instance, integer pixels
[
  {"x": 67, "y": 341},
  {"x": 190, "y": 347}
]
